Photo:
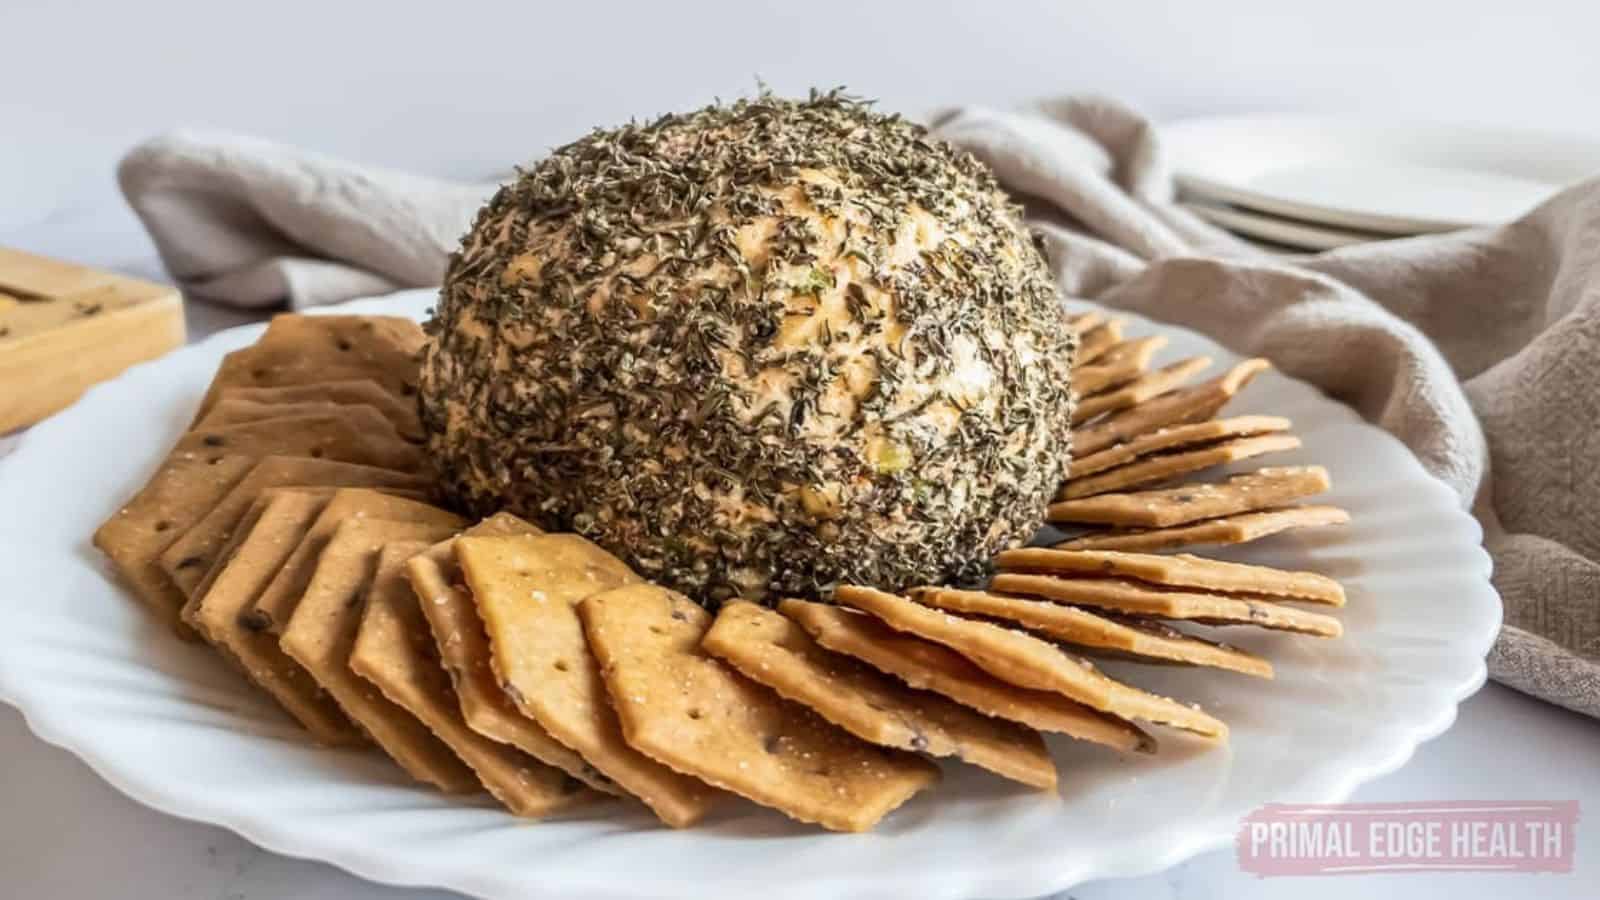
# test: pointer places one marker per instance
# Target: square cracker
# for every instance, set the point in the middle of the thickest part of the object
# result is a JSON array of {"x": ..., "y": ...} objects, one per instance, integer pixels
[
  {"x": 1175, "y": 437},
  {"x": 322, "y": 633},
  {"x": 400, "y": 411},
  {"x": 526, "y": 588},
  {"x": 217, "y": 614},
  {"x": 1180, "y": 570},
  {"x": 1265, "y": 488},
  {"x": 1027, "y": 661},
  {"x": 1189, "y": 404},
  {"x": 1133, "y": 598},
  {"x": 188, "y": 559},
  {"x": 232, "y": 411},
  {"x": 769, "y": 649},
  {"x": 1240, "y": 528},
  {"x": 394, "y": 650},
  {"x": 355, "y": 434},
  {"x": 1141, "y": 641},
  {"x": 274, "y": 604},
  {"x": 1141, "y": 389},
  {"x": 933, "y": 667},
  {"x": 1167, "y": 466},
  {"x": 463, "y": 649},
  {"x": 682, "y": 707},
  {"x": 301, "y": 349}
]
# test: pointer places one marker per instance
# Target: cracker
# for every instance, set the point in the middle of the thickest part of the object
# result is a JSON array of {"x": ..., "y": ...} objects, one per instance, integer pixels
[
  {"x": 682, "y": 707},
  {"x": 273, "y": 606},
  {"x": 188, "y": 559},
  {"x": 1180, "y": 570},
  {"x": 1166, "y": 466},
  {"x": 526, "y": 587},
  {"x": 1137, "y": 599},
  {"x": 395, "y": 651},
  {"x": 218, "y": 615},
  {"x": 1095, "y": 341},
  {"x": 463, "y": 649},
  {"x": 1142, "y": 641},
  {"x": 1178, "y": 436},
  {"x": 1117, "y": 366},
  {"x": 401, "y": 412},
  {"x": 1084, "y": 321},
  {"x": 1190, "y": 404},
  {"x": 322, "y": 632},
  {"x": 355, "y": 434},
  {"x": 1140, "y": 390},
  {"x": 1265, "y": 488},
  {"x": 230, "y": 411},
  {"x": 929, "y": 666},
  {"x": 1027, "y": 661},
  {"x": 769, "y": 649},
  {"x": 1236, "y": 529},
  {"x": 300, "y": 349}
]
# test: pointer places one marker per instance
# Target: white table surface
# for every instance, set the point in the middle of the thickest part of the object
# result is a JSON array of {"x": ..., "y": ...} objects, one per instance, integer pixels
[{"x": 66, "y": 835}]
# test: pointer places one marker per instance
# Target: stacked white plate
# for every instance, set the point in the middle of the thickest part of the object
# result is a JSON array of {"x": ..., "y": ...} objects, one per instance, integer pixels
[{"x": 1316, "y": 183}]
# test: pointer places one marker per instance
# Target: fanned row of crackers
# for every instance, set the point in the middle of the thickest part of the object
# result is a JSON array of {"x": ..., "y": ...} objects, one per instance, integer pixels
[{"x": 292, "y": 529}]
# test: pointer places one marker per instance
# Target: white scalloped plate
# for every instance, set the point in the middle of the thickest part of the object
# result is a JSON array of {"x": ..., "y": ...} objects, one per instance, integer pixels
[{"x": 166, "y": 723}]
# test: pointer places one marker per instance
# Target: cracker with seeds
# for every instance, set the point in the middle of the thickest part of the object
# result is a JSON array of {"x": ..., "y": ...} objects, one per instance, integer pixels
[
  {"x": 1177, "y": 437},
  {"x": 395, "y": 651},
  {"x": 932, "y": 667},
  {"x": 188, "y": 559},
  {"x": 1240, "y": 528},
  {"x": 1266, "y": 488},
  {"x": 401, "y": 412},
  {"x": 219, "y": 615},
  {"x": 1190, "y": 404},
  {"x": 1136, "y": 599},
  {"x": 1180, "y": 570},
  {"x": 1027, "y": 661},
  {"x": 769, "y": 649},
  {"x": 1141, "y": 641},
  {"x": 301, "y": 349},
  {"x": 1167, "y": 466},
  {"x": 526, "y": 588},
  {"x": 272, "y": 607},
  {"x": 1140, "y": 390},
  {"x": 1096, "y": 340},
  {"x": 322, "y": 631},
  {"x": 1119, "y": 365},
  {"x": 682, "y": 707},
  {"x": 463, "y": 649}
]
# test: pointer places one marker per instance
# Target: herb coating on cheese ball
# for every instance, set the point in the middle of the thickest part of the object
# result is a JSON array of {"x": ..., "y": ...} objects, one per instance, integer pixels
[{"x": 756, "y": 350}]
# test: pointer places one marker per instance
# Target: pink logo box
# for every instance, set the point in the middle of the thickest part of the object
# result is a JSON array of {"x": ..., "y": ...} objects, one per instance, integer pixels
[{"x": 1348, "y": 839}]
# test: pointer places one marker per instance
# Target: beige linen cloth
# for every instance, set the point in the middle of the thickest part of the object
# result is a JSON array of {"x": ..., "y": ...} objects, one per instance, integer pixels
[{"x": 1478, "y": 349}]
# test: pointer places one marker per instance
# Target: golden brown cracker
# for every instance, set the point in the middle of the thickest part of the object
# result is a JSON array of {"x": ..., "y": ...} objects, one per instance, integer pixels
[
  {"x": 1141, "y": 389},
  {"x": 1166, "y": 466},
  {"x": 322, "y": 631},
  {"x": 302, "y": 349},
  {"x": 1240, "y": 528},
  {"x": 1175, "y": 437},
  {"x": 770, "y": 649},
  {"x": 682, "y": 707},
  {"x": 231, "y": 411},
  {"x": 929, "y": 666},
  {"x": 463, "y": 648},
  {"x": 400, "y": 411},
  {"x": 526, "y": 588},
  {"x": 1119, "y": 365},
  {"x": 1082, "y": 322},
  {"x": 1142, "y": 641},
  {"x": 273, "y": 606},
  {"x": 188, "y": 559},
  {"x": 1265, "y": 488},
  {"x": 1095, "y": 341},
  {"x": 1189, "y": 404},
  {"x": 1181, "y": 570},
  {"x": 218, "y": 615},
  {"x": 1027, "y": 661},
  {"x": 354, "y": 434},
  {"x": 395, "y": 651},
  {"x": 1134, "y": 598}
]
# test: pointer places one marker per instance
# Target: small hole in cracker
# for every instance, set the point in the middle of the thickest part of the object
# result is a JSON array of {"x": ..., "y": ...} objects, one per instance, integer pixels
[
  {"x": 561, "y": 665},
  {"x": 343, "y": 344},
  {"x": 695, "y": 714},
  {"x": 316, "y": 452},
  {"x": 163, "y": 525}
]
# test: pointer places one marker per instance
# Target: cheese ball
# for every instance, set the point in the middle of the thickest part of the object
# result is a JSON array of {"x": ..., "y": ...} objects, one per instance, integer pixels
[{"x": 756, "y": 351}]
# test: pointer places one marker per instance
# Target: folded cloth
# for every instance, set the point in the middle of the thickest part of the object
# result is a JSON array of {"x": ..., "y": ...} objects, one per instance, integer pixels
[{"x": 1475, "y": 348}]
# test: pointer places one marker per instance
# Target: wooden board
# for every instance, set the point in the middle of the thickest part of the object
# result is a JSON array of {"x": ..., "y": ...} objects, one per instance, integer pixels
[{"x": 65, "y": 327}]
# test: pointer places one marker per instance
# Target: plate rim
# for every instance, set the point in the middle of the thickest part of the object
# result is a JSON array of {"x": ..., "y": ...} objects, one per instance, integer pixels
[{"x": 1133, "y": 859}]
